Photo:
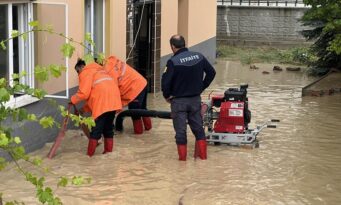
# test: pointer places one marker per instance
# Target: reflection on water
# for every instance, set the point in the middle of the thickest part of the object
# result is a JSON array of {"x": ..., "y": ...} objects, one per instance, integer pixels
[{"x": 297, "y": 163}]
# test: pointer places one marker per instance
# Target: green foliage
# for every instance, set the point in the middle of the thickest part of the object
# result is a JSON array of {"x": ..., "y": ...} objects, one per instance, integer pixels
[
  {"x": 297, "y": 55},
  {"x": 4, "y": 95},
  {"x": 41, "y": 73},
  {"x": 67, "y": 50},
  {"x": 33, "y": 23},
  {"x": 12, "y": 144},
  {"x": 89, "y": 39},
  {"x": 46, "y": 122},
  {"x": 100, "y": 58},
  {"x": 3, "y": 45},
  {"x": 88, "y": 58},
  {"x": 323, "y": 21}
]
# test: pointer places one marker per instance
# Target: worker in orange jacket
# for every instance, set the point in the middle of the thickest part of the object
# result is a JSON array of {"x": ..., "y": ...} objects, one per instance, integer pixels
[
  {"x": 133, "y": 90},
  {"x": 102, "y": 96}
]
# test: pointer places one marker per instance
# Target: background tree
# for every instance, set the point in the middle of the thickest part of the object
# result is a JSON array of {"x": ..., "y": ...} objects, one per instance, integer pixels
[{"x": 323, "y": 20}]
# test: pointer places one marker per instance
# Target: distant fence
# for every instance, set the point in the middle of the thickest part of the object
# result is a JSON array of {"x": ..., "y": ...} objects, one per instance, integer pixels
[
  {"x": 276, "y": 3},
  {"x": 260, "y": 25}
]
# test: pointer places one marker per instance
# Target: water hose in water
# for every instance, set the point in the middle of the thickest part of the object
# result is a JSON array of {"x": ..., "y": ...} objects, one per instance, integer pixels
[{"x": 139, "y": 113}]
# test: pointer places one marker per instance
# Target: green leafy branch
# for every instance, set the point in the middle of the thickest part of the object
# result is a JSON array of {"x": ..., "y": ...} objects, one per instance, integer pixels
[{"x": 12, "y": 144}]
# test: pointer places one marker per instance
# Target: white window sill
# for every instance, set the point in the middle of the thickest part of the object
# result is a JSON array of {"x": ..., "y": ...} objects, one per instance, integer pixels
[{"x": 21, "y": 101}]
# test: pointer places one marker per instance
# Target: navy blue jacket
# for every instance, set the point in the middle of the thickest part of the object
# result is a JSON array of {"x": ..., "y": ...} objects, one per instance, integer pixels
[{"x": 184, "y": 74}]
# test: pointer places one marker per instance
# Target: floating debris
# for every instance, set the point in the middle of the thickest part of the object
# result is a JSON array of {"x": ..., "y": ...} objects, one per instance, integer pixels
[
  {"x": 253, "y": 67},
  {"x": 293, "y": 68},
  {"x": 277, "y": 68}
]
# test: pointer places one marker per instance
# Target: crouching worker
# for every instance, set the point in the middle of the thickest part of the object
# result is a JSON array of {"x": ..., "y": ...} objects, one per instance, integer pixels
[
  {"x": 132, "y": 86},
  {"x": 186, "y": 76},
  {"x": 102, "y": 96}
]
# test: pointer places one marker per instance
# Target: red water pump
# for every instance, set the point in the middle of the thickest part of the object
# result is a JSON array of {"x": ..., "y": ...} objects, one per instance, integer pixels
[
  {"x": 227, "y": 117},
  {"x": 234, "y": 115}
]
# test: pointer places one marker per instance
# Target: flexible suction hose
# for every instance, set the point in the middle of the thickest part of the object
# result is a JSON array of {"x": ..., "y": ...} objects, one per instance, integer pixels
[{"x": 139, "y": 113}]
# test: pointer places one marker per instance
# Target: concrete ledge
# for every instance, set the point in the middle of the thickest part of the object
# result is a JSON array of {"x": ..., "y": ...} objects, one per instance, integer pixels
[{"x": 326, "y": 85}]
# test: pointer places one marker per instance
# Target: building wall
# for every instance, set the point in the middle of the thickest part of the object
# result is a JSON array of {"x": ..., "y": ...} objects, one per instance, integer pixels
[
  {"x": 259, "y": 25},
  {"x": 202, "y": 18},
  {"x": 195, "y": 20},
  {"x": 118, "y": 29}
]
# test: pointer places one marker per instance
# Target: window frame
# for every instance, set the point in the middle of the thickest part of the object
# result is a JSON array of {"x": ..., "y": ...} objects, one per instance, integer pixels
[
  {"x": 91, "y": 13},
  {"x": 67, "y": 94},
  {"x": 25, "y": 51}
]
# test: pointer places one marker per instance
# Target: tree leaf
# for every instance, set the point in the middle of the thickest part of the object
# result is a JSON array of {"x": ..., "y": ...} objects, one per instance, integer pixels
[
  {"x": 3, "y": 46},
  {"x": 32, "y": 117},
  {"x": 17, "y": 140},
  {"x": 77, "y": 180},
  {"x": 89, "y": 39},
  {"x": 55, "y": 70},
  {"x": 100, "y": 58},
  {"x": 41, "y": 73},
  {"x": 4, "y": 95},
  {"x": 22, "y": 115},
  {"x": 37, "y": 161},
  {"x": 62, "y": 182},
  {"x": 67, "y": 50},
  {"x": 39, "y": 93},
  {"x": 3, "y": 140},
  {"x": 33, "y": 23},
  {"x": 46, "y": 122},
  {"x": 88, "y": 58},
  {"x": 14, "y": 33},
  {"x": 24, "y": 36},
  {"x": 3, "y": 82},
  {"x": 18, "y": 152}
]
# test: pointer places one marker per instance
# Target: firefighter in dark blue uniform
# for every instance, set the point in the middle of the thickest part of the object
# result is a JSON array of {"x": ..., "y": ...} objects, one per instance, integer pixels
[{"x": 186, "y": 76}]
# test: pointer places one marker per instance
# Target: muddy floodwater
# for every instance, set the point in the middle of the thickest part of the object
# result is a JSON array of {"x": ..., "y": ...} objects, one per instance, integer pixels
[{"x": 299, "y": 162}]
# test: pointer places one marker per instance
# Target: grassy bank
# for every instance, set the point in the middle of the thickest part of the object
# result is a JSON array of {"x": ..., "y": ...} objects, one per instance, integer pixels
[{"x": 297, "y": 55}]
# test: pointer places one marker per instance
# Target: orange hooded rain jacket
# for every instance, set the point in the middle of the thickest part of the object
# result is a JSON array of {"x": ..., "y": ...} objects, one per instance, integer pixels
[
  {"x": 98, "y": 89},
  {"x": 130, "y": 82}
]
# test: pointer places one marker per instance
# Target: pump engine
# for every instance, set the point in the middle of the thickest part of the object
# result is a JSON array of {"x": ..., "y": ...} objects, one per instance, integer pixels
[{"x": 227, "y": 117}]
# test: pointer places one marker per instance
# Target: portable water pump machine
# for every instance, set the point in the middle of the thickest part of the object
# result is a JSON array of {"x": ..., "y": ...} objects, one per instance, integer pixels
[{"x": 227, "y": 116}]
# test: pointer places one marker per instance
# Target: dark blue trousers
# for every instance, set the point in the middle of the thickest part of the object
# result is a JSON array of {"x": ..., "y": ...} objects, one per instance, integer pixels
[
  {"x": 140, "y": 102},
  {"x": 104, "y": 125},
  {"x": 187, "y": 110}
]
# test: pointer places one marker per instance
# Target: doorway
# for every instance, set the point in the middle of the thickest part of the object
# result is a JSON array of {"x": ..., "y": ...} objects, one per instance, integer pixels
[{"x": 142, "y": 55}]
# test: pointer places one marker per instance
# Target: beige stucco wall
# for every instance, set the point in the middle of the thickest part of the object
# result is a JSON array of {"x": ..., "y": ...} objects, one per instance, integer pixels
[
  {"x": 48, "y": 50},
  {"x": 118, "y": 31},
  {"x": 169, "y": 24},
  {"x": 194, "y": 19},
  {"x": 183, "y": 18},
  {"x": 202, "y": 17}
]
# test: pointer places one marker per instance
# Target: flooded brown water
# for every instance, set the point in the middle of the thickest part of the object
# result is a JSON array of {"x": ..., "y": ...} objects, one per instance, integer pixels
[{"x": 297, "y": 163}]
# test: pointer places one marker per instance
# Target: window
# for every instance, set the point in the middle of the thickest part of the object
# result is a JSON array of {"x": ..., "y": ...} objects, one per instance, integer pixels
[
  {"x": 94, "y": 23},
  {"x": 18, "y": 55}
]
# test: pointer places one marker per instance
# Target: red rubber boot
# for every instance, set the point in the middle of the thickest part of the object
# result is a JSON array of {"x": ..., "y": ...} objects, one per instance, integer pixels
[
  {"x": 138, "y": 126},
  {"x": 182, "y": 151},
  {"x": 108, "y": 145},
  {"x": 92, "y": 147},
  {"x": 201, "y": 149},
  {"x": 196, "y": 150},
  {"x": 147, "y": 122}
]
